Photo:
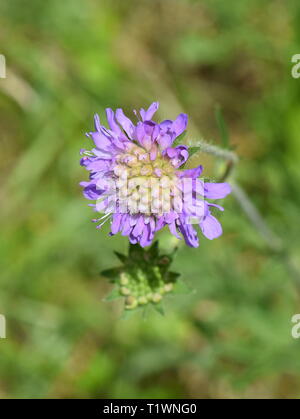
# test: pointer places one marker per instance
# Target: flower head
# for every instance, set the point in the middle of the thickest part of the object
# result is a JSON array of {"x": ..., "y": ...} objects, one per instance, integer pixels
[{"x": 139, "y": 184}]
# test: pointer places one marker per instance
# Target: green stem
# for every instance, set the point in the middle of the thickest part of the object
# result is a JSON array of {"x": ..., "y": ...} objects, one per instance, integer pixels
[{"x": 229, "y": 156}]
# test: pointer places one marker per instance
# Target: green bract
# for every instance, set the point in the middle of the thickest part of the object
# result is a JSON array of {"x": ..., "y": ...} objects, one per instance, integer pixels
[{"x": 144, "y": 278}]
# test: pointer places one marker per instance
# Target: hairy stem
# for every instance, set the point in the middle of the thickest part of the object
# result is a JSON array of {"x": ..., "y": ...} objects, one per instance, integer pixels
[
  {"x": 272, "y": 240},
  {"x": 229, "y": 156}
]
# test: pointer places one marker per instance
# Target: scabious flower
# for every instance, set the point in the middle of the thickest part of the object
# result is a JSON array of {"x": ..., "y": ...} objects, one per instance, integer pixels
[{"x": 139, "y": 183}]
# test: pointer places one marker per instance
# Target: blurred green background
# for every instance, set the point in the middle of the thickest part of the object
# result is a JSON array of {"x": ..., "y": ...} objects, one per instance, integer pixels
[{"x": 68, "y": 59}]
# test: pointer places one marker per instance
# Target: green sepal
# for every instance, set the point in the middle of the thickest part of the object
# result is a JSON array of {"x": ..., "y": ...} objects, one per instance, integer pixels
[
  {"x": 153, "y": 252},
  {"x": 121, "y": 257},
  {"x": 113, "y": 295},
  {"x": 159, "y": 309},
  {"x": 179, "y": 139},
  {"x": 126, "y": 314},
  {"x": 181, "y": 287},
  {"x": 136, "y": 252},
  {"x": 193, "y": 150},
  {"x": 164, "y": 262},
  {"x": 112, "y": 273},
  {"x": 172, "y": 276},
  {"x": 144, "y": 278}
]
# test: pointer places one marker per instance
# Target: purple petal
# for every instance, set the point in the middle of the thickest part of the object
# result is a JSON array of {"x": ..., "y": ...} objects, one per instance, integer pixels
[
  {"x": 147, "y": 115},
  {"x": 211, "y": 228},
  {"x": 97, "y": 122},
  {"x": 117, "y": 140},
  {"x": 133, "y": 218},
  {"x": 193, "y": 173},
  {"x": 180, "y": 124},
  {"x": 84, "y": 161},
  {"x": 178, "y": 155},
  {"x": 133, "y": 240},
  {"x": 102, "y": 205},
  {"x": 126, "y": 227},
  {"x": 125, "y": 122},
  {"x": 182, "y": 155},
  {"x": 199, "y": 187},
  {"x": 160, "y": 222},
  {"x": 112, "y": 122},
  {"x": 146, "y": 133},
  {"x": 216, "y": 206},
  {"x": 101, "y": 141},
  {"x": 152, "y": 226},
  {"x": 116, "y": 224},
  {"x": 216, "y": 190},
  {"x": 90, "y": 191},
  {"x": 153, "y": 152},
  {"x": 173, "y": 230},
  {"x": 151, "y": 128},
  {"x": 165, "y": 140},
  {"x": 138, "y": 229},
  {"x": 142, "y": 113},
  {"x": 165, "y": 125},
  {"x": 170, "y": 217},
  {"x": 139, "y": 132},
  {"x": 145, "y": 238},
  {"x": 189, "y": 234},
  {"x": 170, "y": 152},
  {"x": 97, "y": 165}
]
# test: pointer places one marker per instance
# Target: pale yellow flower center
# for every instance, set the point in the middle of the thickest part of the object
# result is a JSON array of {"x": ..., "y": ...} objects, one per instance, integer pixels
[{"x": 144, "y": 185}]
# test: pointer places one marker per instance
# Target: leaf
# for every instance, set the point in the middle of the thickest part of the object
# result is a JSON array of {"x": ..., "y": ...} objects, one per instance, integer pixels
[{"x": 222, "y": 127}]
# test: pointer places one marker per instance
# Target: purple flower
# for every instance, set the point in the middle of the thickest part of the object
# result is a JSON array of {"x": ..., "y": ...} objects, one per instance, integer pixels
[{"x": 138, "y": 181}]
